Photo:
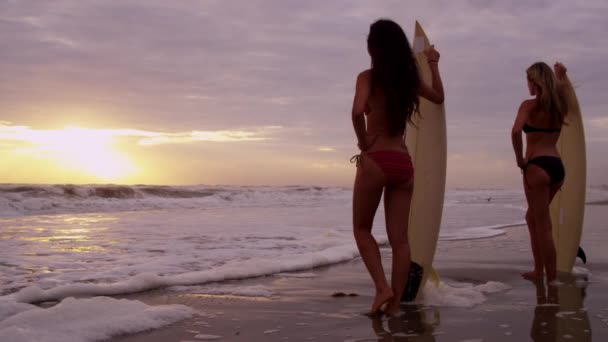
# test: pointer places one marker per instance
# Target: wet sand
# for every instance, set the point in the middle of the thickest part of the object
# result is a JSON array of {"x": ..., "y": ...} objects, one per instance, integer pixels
[{"x": 303, "y": 309}]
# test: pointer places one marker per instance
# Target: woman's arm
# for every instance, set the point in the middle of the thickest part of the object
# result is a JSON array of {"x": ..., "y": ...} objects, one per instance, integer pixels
[
  {"x": 560, "y": 71},
  {"x": 362, "y": 90},
  {"x": 561, "y": 83},
  {"x": 516, "y": 137},
  {"x": 435, "y": 92}
]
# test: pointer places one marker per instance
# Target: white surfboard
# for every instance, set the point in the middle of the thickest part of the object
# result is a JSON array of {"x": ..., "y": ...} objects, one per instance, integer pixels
[
  {"x": 568, "y": 206},
  {"x": 427, "y": 144}
]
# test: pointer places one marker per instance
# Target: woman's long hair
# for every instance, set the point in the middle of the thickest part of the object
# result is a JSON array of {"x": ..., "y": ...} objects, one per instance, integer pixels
[
  {"x": 542, "y": 77},
  {"x": 394, "y": 72}
]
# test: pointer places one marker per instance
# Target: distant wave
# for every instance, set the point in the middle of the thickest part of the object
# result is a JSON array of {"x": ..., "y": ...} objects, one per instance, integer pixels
[
  {"x": 603, "y": 187},
  {"x": 597, "y": 195},
  {"x": 602, "y": 202},
  {"x": 26, "y": 199},
  {"x": 105, "y": 191}
]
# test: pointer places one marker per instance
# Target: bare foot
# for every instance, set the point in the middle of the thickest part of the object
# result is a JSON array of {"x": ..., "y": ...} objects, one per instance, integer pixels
[
  {"x": 382, "y": 298},
  {"x": 532, "y": 276},
  {"x": 552, "y": 294},
  {"x": 392, "y": 308}
]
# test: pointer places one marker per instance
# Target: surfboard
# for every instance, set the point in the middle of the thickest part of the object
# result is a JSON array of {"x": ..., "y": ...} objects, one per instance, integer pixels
[
  {"x": 427, "y": 144},
  {"x": 568, "y": 205}
]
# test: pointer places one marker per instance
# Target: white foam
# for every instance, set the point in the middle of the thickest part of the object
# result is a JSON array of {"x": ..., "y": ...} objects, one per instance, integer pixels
[
  {"x": 271, "y": 331},
  {"x": 581, "y": 271},
  {"x": 459, "y": 294},
  {"x": 232, "y": 271},
  {"x": 474, "y": 233},
  {"x": 565, "y": 313},
  {"x": 244, "y": 291},
  {"x": 92, "y": 319},
  {"x": 9, "y": 308}
]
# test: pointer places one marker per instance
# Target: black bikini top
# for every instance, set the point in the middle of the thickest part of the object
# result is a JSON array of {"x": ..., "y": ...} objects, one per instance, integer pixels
[{"x": 531, "y": 129}]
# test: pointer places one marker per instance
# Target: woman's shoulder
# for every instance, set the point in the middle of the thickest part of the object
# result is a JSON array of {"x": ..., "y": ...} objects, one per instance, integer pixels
[
  {"x": 528, "y": 105},
  {"x": 364, "y": 79},
  {"x": 365, "y": 75}
]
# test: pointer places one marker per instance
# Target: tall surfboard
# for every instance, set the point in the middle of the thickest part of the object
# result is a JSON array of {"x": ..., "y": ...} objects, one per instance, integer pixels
[
  {"x": 568, "y": 205},
  {"x": 427, "y": 143}
]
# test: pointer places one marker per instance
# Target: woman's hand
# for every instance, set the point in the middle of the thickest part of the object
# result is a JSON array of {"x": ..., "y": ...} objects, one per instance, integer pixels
[
  {"x": 362, "y": 145},
  {"x": 560, "y": 71},
  {"x": 432, "y": 55},
  {"x": 367, "y": 143},
  {"x": 521, "y": 163}
]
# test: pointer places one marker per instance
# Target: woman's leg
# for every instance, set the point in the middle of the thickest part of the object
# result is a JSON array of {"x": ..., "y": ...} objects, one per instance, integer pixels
[
  {"x": 397, "y": 200},
  {"x": 537, "y": 272},
  {"x": 369, "y": 183},
  {"x": 540, "y": 198}
]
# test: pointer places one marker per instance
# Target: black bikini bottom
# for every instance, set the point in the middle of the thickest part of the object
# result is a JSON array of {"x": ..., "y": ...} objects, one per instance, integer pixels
[{"x": 553, "y": 166}]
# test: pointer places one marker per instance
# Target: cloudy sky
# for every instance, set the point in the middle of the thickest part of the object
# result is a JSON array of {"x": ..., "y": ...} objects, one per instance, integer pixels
[{"x": 259, "y": 92}]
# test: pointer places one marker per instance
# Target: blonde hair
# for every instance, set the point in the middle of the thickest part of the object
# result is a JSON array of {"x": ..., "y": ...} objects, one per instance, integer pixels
[{"x": 541, "y": 75}]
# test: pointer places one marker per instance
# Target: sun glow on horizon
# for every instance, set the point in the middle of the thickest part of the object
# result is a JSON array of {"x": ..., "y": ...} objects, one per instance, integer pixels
[
  {"x": 88, "y": 151},
  {"x": 74, "y": 154}
]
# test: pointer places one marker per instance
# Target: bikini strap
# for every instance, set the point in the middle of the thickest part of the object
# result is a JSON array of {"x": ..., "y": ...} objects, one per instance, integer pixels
[{"x": 356, "y": 159}]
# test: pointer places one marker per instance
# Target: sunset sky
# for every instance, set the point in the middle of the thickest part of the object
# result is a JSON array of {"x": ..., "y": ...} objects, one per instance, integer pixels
[{"x": 260, "y": 92}]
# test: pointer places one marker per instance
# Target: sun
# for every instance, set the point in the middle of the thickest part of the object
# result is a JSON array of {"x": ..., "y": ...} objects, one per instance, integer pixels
[{"x": 92, "y": 152}]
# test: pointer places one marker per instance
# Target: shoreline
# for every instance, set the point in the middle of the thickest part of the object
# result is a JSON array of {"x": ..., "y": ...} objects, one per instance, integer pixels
[{"x": 481, "y": 297}]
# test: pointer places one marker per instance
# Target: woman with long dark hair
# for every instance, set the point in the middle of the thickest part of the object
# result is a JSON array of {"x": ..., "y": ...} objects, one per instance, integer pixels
[
  {"x": 387, "y": 94},
  {"x": 541, "y": 119}
]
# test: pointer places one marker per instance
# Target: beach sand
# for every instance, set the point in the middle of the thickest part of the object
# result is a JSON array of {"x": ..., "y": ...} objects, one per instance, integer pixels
[{"x": 303, "y": 309}]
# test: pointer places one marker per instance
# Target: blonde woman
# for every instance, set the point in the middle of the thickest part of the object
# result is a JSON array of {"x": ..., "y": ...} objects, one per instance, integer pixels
[{"x": 541, "y": 118}]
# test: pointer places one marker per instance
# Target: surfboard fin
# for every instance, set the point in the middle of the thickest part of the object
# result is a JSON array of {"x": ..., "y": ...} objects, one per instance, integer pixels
[
  {"x": 581, "y": 254},
  {"x": 414, "y": 280}
]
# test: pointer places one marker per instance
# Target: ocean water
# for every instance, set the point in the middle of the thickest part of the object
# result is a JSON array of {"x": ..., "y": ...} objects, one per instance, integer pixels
[{"x": 58, "y": 241}]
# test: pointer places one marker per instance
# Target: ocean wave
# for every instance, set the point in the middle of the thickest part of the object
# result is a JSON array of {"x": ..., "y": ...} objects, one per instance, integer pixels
[
  {"x": 104, "y": 191},
  {"x": 474, "y": 233},
  {"x": 26, "y": 199},
  {"x": 253, "y": 268}
]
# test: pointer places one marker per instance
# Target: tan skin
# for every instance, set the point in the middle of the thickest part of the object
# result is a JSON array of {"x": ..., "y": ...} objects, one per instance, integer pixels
[
  {"x": 370, "y": 183},
  {"x": 537, "y": 184}
]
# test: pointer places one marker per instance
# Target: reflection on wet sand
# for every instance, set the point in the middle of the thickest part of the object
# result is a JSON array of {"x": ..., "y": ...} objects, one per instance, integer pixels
[
  {"x": 560, "y": 314},
  {"x": 414, "y": 325}
]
